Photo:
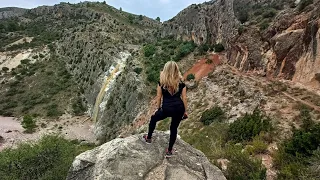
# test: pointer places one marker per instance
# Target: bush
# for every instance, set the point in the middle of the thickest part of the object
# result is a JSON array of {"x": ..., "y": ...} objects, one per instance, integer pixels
[
  {"x": 215, "y": 114},
  {"x": 249, "y": 126},
  {"x": 243, "y": 16},
  {"x": 78, "y": 108},
  {"x": 138, "y": 70},
  {"x": 270, "y": 13},
  {"x": 5, "y": 69},
  {"x": 304, "y": 3},
  {"x": 304, "y": 142},
  {"x": 41, "y": 56},
  {"x": 258, "y": 146},
  {"x": 25, "y": 61},
  {"x": 218, "y": 48},
  {"x": 53, "y": 111},
  {"x": 29, "y": 124},
  {"x": 190, "y": 77},
  {"x": 203, "y": 48},
  {"x": 49, "y": 159},
  {"x": 241, "y": 166},
  {"x": 149, "y": 50},
  {"x": 264, "y": 25},
  {"x": 185, "y": 49}
]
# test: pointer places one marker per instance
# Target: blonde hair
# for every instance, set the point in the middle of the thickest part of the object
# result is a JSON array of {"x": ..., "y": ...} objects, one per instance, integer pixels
[{"x": 170, "y": 77}]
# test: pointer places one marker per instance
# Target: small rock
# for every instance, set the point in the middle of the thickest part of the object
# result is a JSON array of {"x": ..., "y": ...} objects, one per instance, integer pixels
[
  {"x": 191, "y": 84},
  {"x": 1, "y": 139},
  {"x": 9, "y": 131}
]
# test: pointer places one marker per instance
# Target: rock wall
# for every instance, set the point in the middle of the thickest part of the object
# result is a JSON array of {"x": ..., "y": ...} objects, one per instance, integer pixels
[
  {"x": 10, "y": 12},
  {"x": 211, "y": 22},
  {"x": 288, "y": 48}
]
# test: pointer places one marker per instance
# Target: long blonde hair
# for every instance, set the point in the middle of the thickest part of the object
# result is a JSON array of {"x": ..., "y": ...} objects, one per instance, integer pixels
[{"x": 170, "y": 77}]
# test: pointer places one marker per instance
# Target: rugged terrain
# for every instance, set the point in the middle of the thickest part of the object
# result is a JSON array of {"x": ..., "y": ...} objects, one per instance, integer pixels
[
  {"x": 245, "y": 63},
  {"x": 276, "y": 39}
]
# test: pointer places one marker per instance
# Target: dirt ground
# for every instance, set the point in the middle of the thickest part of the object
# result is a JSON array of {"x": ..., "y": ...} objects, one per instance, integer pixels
[{"x": 12, "y": 132}]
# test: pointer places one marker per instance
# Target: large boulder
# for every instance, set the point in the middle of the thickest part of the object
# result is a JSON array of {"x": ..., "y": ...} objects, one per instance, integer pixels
[{"x": 132, "y": 158}]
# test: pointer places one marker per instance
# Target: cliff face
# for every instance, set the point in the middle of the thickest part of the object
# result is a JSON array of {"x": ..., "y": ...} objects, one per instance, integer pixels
[
  {"x": 278, "y": 39},
  {"x": 211, "y": 22},
  {"x": 6, "y": 13}
]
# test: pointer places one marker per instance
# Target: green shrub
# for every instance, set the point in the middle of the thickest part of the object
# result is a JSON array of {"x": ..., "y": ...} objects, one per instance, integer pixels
[
  {"x": 25, "y": 61},
  {"x": 264, "y": 25},
  {"x": 249, "y": 126},
  {"x": 53, "y": 111},
  {"x": 185, "y": 49},
  {"x": 35, "y": 57},
  {"x": 215, "y": 114},
  {"x": 243, "y": 16},
  {"x": 149, "y": 50},
  {"x": 304, "y": 142},
  {"x": 78, "y": 108},
  {"x": 49, "y": 159},
  {"x": 270, "y": 13},
  {"x": 304, "y": 3},
  {"x": 138, "y": 70},
  {"x": 218, "y": 48},
  {"x": 190, "y": 77},
  {"x": 5, "y": 69},
  {"x": 41, "y": 56},
  {"x": 203, "y": 48},
  {"x": 258, "y": 146},
  {"x": 242, "y": 166},
  {"x": 29, "y": 124}
]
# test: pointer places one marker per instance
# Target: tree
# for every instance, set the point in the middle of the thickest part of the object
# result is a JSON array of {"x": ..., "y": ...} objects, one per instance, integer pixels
[
  {"x": 140, "y": 17},
  {"x": 121, "y": 9},
  {"x": 158, "y": 19},
  {"x": 104, "y": 2},
  {"x": 131, "y": 18},
  {"x": 28, "y": 123}
]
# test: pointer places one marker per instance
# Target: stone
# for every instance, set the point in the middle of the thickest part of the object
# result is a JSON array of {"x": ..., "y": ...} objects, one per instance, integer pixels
[
  {"x": 132, "y": 158},
  {"x": 191, "y": 84}
]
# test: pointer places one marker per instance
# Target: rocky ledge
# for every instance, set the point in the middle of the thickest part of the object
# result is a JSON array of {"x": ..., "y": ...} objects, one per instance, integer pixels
[{"x": 132, "y": 158}]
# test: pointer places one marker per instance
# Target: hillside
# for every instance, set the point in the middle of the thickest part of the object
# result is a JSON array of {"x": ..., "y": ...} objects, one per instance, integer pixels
[{"x": 88, "y": 69}]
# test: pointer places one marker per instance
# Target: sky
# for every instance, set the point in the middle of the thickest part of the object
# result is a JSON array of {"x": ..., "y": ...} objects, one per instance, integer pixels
[{"x": 165, "y": 9}]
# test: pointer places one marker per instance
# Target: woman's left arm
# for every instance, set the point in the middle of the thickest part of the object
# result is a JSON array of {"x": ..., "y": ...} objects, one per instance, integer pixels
[{"x": 184, "y": 98}]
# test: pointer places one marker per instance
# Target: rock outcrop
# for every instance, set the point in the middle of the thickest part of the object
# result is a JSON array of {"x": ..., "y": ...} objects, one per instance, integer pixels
[
  {"x": 288, "y": 48},
  {"x": 210, "y": 22},
  {"x": 10, "y": 12},
  {"x": 132, "y": 158}
]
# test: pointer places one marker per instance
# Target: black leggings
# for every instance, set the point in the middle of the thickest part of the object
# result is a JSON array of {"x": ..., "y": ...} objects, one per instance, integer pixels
[{"x": 162, "y": 113}]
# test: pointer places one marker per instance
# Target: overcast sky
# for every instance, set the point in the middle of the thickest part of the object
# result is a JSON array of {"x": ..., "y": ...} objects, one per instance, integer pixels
[{"x": 165, "y": 9}]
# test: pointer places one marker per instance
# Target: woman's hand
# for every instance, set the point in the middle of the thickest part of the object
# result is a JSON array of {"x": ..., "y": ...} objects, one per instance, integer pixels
[{"x": 185, "y": 116}]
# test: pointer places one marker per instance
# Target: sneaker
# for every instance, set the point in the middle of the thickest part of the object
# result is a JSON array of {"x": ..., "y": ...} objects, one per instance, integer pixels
[
  {"x": 169, "y": 153},
  {"x": 145, "y": 137}
]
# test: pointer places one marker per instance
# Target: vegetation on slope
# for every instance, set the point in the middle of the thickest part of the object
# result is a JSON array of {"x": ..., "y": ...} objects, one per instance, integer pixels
[
  {"x": 44, "y": 88},
  {"x": 298, "y": 157},
  {"x": 50, "y": 158}
]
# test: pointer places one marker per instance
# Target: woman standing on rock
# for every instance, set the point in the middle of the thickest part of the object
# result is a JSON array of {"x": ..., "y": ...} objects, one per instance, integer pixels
[{"x": 172, "y": 91}]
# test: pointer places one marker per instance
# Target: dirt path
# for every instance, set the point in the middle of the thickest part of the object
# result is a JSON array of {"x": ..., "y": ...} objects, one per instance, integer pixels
[
  {"x": 311, "y": 105},
  {"x": 203, "y": 67},
  {"x": 79, "y": 128}
]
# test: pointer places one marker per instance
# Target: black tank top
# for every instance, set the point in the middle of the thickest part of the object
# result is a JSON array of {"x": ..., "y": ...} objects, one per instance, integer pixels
[{"x": 172, "y": 100}]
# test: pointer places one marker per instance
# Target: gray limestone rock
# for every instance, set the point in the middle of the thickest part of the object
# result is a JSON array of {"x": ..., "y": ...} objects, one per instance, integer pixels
[{"x": 132, "y": 158}]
